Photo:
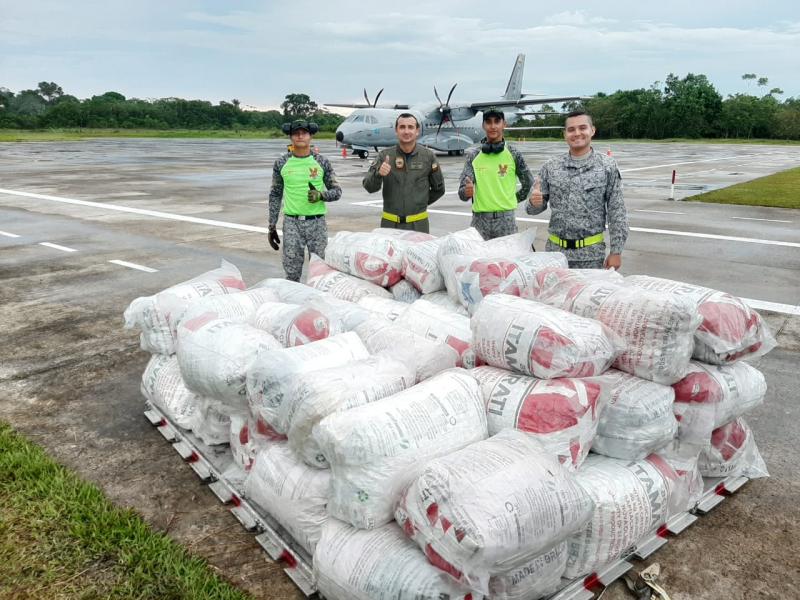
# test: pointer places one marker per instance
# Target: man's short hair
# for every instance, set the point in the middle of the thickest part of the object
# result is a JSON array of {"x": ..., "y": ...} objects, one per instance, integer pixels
[
  {"x": 579, "y": 113},
  {"x": 405, "y": 115}
]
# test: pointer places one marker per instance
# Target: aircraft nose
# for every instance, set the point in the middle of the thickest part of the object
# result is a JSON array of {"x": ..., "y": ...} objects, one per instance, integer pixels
[{"x": 339, "y": 136}]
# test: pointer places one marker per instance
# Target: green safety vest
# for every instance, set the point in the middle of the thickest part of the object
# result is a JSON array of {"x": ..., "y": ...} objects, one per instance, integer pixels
[
  {"x": 495, "y": 182},
  {"x": 296, "y": 173}
]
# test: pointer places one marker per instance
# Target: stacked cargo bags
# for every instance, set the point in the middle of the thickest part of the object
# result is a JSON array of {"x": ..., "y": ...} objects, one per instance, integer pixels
[{"x": 409, "y": 476}]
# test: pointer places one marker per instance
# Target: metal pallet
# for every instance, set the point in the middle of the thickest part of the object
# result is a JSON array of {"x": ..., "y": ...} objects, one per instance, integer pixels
[{"x": 209, "y": 463}]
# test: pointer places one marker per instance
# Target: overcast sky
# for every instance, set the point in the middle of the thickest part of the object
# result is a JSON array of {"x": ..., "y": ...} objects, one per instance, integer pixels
[{"x": 260, "y": 51}]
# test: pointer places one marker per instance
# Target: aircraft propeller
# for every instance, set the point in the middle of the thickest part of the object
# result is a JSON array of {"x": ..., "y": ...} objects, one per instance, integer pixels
[
  {"x": 444, "y": 108},
  {"x": 375, "y": 103}
]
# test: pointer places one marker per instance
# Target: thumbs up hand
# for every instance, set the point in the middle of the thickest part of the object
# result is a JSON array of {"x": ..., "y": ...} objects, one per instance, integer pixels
[
  {"x": 469, "y": 187},
  {"x": 537, "y": 200},
  {"x": 386, "y": 168}
]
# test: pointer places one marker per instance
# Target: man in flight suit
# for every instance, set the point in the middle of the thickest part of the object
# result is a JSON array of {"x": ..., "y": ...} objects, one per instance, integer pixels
[
  {"x": 303, "y": 181},
  {"x": 489, "y": 179},
  {"x": 584, "y": 191},
  {"x": 410, "y": 176}
]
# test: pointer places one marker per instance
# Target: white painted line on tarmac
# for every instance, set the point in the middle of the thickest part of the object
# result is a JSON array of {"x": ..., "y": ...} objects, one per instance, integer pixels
[
  {"x": 130, "y": 265},
  {"x": 57, "y": 247},
  {"x": 772, "y": 306},
  {"x": 138, "y": 211},
  {"x": 11, "y": 235},
  {"x": 661, "y": 212},
  {"x": 687, "y": 162},
  {"x": 711, "y": 236},
  {"x": 754, "y": 219}
]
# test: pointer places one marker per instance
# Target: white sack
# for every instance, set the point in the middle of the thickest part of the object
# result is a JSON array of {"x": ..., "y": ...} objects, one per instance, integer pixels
[
  {"x": 294, "y": 494},
  {"x": 444, "y": 300},
  {"x": 288, "y": 291},
  {"x": 730, "y": 329},
  {"x": 157, "y": 315},
  {"x": 638, "y": 420},
  {"x": 310, "y": 399},
  {"x": 340, "y": 285},
  {"x": 211, "y": 421},
  {"x": 535, "y": 339},
  {"x": 404, "y": 291},
  {"x": 420, "y": 264},
  {"x": 377, "y": 564},
  {"x": 239, "y": 307},
  {"x": 491, "y": 507},
  {"x": 163, "y": 386},
  {"x": 294, "y": 325},
  {"x": 375, "y": 450},
  {"x": 386, "y": 307},
  {"x": 535, "y": 579},
  {"x": 437, "y": 323},
  {"x": 370, "y": 256},
  {"x": 732, "y": 452},
  {"x": 424, "y": 357},
  {"x": 273, "y": 372},
  {"x": 562, "y": 414}
]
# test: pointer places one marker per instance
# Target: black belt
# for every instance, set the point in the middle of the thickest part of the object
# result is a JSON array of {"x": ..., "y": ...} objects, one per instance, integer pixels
[
  {"x": 495, "y": 215},
  {"x": 304, "y": 217}
]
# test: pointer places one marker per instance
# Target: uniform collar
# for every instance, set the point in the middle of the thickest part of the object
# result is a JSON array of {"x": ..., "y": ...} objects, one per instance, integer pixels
[{"x": 399, "y": 150}]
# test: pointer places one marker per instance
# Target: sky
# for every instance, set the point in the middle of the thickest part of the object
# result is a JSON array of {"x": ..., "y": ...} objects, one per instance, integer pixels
[{"x": 257, "y": 52}]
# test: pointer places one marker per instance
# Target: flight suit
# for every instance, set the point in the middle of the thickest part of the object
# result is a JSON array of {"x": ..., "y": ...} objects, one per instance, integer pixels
[
  {"x": 304, "y": 223},
  {"x": 495, "y": 198},
  {"x": 583, "y": 195},
  {"x": 414, "y": 182}
]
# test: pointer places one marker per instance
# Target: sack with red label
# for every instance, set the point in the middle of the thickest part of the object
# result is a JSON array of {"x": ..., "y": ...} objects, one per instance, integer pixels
[
  {"x": 370, "y": 256},
  {"x": 732, "y": 452},
  {"x": 535, "y": 339},
  {"x": 420, "y": 265},
  {"x": 562, "y": 413},
  {"x": 288, "y": 291},
  {"x": 340, "y": 285},
  {"x": 294, "y": 325},
  {"x": 730, "y": 329},
  {"x": 439, "y": 324},
  {"x": 163, "y": 386}
]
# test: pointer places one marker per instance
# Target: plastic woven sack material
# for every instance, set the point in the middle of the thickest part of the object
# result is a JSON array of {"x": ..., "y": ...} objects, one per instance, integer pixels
[
  {"x": 242, "y": 450},
  {"x": 404, "y": 291},
  {"x": 214, "y": 356},
  {"x": 288, "y": 291},
  {"x": 631, "y": 499},
  {"x": 294, "y": 494},
  {"x": 350, "y": 314},
  {"x": 556, "y": 286},
  {"x": 375, "y": 450},
  {"x": 420, "y": 264},
  {"x": 535, "y": 579},
  {"x": 732, "y": 452},
  {"x": 389, "y": 309},
  {"x": 239, "y": 307},
  {"x": 476, "y": 278},
  {"x": 273, "y": 372},
  {"x": 156, "y": 315},
  {"x": 453, "y": 250},
  {"x": 310, "y": 399},
  {"x": 424, "y": 357},
  {"x": 211, "y": 421},
  {"x": 710, "y": 396},
  {"x": 377, "y": 564},
  {"x": 658, "y": 329},
  {"x": 444, "y": 300},
  {"x": 340, "y": 285},
  {"x": 294, "y": 325},
  {"x": 163, "y": 386},
  {"x": 638, "y": 420},
  {"x": 535, "y": 339},
  {"x": 730, "y": 329},
  {"x": 492, "y": 507},
  {"x": 562, "y": 414},
  {"x": 369, "y": 256},
  {"x": 441, "y": 325}
]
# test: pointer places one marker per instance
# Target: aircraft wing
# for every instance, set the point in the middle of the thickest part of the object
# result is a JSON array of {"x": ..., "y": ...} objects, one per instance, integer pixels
[
  {"x": 362, "y": 105},
  {"x": 524, "y": 102}
]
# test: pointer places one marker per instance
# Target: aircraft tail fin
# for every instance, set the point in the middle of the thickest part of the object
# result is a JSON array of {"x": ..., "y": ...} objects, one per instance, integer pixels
[{"x": 514, "y": 87}]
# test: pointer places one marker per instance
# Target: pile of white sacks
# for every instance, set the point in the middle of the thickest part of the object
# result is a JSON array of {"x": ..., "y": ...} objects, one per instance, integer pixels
[{"x": 448, "y": 417}]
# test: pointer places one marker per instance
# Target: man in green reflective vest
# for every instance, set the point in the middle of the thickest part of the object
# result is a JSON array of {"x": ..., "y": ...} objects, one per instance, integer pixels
[
  {"x": 489, "y": 179},
  {"x": 303, "y": 182},
  {"x": 410, "y": 176}
]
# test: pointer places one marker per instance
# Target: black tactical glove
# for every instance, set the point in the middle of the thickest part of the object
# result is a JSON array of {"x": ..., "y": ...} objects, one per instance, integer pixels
[
  {"x": 273, "y": 239},
  {"x": 314, "y": 195}
]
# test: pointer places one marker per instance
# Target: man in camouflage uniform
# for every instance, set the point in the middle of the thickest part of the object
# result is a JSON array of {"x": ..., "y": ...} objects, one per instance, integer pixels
[
  {"x": 410, "y": 176},
  {"x": 303, "y": 181},
  {"x": 489, "y": 179},
  {"x": 584, "y": 191}
]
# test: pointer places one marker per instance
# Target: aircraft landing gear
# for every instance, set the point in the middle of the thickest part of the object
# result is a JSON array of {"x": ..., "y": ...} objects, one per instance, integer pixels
[{"x": 362, "y": 154}]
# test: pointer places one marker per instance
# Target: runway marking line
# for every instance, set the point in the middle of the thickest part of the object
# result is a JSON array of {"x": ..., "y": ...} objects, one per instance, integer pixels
[
  {"x": 772, "y": 306},
  {"x": 662, "y": 212},
  {"x": 7, "y": 234},
  {"x": 130, "y": 265},
  {"x": 754, "y": 219},
  {"x": 57, "y": 247}
]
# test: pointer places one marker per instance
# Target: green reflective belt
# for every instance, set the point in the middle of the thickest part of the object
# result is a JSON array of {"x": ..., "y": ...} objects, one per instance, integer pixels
[
  {"x": 409, "y": 219},
  {"x": 573, "y": 244}
]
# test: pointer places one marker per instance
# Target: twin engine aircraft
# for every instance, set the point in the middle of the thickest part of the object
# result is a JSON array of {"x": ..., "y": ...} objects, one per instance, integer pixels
[{"x": 450, "y": 128}]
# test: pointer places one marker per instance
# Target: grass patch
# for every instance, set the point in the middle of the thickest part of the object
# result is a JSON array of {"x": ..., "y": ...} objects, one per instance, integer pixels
[
  {"x": 779, "y": 190},
  {"x": 61, "y": 538},
  {"x": 69, "y": 135}
]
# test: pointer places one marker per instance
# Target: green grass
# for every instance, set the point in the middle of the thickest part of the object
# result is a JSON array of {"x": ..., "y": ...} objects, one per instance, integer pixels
[
  {"x": 61, "y": 538},
  {"x": 67, "y": 135},
  {"x": 780, "y": 190}
]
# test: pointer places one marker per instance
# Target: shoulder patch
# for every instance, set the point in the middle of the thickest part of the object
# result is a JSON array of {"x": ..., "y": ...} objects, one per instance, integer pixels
[{"x": 435, "y": 167}]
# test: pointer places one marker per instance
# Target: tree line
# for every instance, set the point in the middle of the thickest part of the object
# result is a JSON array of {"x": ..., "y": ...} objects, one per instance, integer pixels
[{"x": 687, "y": 107}]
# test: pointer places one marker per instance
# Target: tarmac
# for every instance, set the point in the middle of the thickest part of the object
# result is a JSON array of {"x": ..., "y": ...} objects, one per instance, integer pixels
[{"x": 166, "y": 210}]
